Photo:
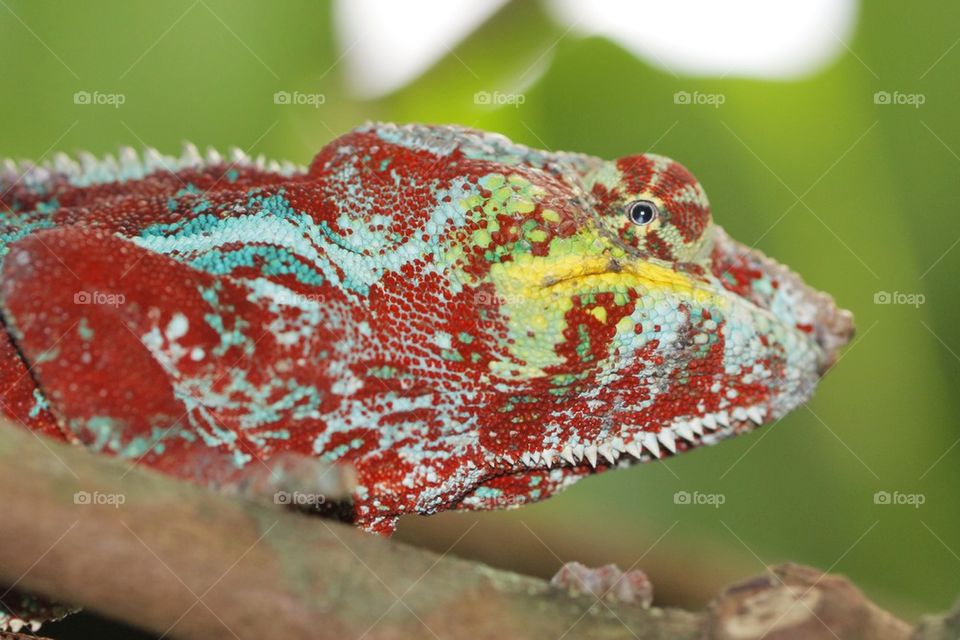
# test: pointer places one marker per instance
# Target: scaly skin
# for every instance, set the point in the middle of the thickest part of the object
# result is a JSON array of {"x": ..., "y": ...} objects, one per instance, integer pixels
[{"x": 470, "y": 322}]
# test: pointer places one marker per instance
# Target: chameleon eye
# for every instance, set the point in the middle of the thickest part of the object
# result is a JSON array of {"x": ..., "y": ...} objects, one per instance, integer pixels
[{"x": 642, "y": 212}]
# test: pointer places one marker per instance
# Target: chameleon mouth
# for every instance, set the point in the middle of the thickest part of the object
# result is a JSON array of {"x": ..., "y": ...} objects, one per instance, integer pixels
[{"x": 635, "y": 444}]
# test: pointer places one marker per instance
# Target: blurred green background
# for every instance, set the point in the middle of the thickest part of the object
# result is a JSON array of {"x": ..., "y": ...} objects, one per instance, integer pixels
[{"x": 858, "y": 197}]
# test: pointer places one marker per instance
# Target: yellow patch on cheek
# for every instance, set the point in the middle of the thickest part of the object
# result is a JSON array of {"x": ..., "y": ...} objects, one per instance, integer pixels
[
  {"x": 535, "y": 293},
  {"x": 565, "y": 276}
]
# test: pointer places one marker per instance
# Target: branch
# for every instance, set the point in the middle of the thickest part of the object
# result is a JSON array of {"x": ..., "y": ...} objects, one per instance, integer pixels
[{"x": 176, "y": 558}]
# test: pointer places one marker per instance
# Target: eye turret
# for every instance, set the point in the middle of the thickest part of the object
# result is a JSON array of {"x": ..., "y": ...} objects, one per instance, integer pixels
[{"x": 642, "y": 212}]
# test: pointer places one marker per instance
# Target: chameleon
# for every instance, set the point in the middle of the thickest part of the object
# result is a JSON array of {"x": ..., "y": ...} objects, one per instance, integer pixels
[{"x": 469, "y": 322}]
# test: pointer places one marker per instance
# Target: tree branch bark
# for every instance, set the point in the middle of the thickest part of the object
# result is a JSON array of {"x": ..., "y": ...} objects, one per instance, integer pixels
[{"x": 176, "y": 558}]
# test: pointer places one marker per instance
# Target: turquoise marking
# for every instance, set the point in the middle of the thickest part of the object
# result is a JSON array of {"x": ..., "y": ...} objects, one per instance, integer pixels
[
  {"x": 140, "y": 446},
  {"x": 104, "y": 430},
  {"x": 184, "y": 227},
  {"x": 47, "y": 208},
  {"x": 228, "y": 338},
  {"x": 274, "y": 261},
  {"x": 85, "y": 330},
  {"x": 39, "y": 404},
  {"x": 22, "y": 228}
]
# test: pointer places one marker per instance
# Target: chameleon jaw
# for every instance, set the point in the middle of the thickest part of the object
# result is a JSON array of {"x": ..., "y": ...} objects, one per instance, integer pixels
[{"x": 636, "y": 444}]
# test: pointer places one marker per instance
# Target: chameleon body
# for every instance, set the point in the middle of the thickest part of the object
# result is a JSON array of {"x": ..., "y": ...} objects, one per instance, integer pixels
[{"x": 469, "y": 322}]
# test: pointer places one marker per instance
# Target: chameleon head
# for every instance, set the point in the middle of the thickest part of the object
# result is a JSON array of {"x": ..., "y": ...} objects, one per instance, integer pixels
[{"x": 635, "y": 328}]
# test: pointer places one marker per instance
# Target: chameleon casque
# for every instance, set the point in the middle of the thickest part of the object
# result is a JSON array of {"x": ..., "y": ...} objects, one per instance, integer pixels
[{"x": 469, "y": 322}]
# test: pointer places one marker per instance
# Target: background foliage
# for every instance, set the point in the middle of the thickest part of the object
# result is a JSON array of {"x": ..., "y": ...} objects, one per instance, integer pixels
[{"x": 858, "y": 197}]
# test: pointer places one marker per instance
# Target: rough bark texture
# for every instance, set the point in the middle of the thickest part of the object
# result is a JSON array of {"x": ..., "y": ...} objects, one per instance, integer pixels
[{"x": 178, "y": 558}]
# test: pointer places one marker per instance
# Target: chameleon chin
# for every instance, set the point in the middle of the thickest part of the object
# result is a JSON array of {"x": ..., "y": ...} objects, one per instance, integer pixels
[{"x": 469, "y": 322}]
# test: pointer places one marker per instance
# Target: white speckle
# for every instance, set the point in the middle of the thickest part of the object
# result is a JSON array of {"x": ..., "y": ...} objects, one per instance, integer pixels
[
  {"x": 23, "y": 258},
  {"x": 443, "y": 340},
  {"x": 152, "y": 340},
  {"x": 197, "y": 354},
  {"x": 178, "y": 327}
]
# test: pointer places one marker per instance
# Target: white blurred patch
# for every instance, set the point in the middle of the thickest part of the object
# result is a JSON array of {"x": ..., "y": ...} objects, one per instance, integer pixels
[
  {"x": 387, "y": 43},
  {"x": 760, "y": 38}
]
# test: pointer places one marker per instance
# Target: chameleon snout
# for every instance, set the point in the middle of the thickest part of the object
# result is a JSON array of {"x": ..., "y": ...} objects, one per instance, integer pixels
[{"x": 777, "y": 289}]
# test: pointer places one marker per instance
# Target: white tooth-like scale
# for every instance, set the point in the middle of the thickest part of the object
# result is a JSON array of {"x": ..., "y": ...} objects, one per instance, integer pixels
[
  {"x": 684, "y": 431},
  {"x": 667, "y": 439},
  {"x": 591, "y": 452},
  {"x": 578, "y": 451},
  {"x": 651, "y": 444},
  {"x": 607, "y": 452}
]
